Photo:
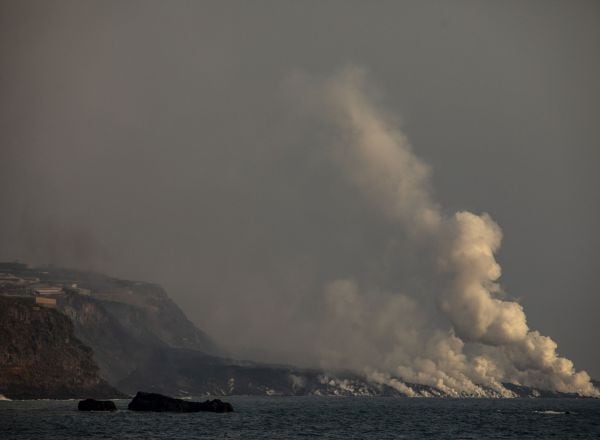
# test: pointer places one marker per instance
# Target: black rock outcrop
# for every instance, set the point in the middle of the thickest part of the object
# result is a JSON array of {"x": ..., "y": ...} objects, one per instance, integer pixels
[
  {"x": 159, "y": 403},
  {"x": 96, "y": 405}
]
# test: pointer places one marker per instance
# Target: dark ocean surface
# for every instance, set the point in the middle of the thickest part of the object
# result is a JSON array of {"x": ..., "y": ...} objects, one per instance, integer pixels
[{"x": 316, "y": 417}]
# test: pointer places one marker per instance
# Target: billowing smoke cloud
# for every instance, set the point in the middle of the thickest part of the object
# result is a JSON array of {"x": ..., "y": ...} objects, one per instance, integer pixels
[
  {"x": 447, "y": 325},
  {"x": 309, "y": 233}
]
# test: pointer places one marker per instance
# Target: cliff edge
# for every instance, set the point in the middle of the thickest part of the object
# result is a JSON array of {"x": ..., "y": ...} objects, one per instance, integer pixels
[{"x": 40, "y": 357}]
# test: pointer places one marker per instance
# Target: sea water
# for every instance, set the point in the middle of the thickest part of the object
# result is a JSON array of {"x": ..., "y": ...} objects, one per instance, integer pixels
[{"x": 316, "y": 417}]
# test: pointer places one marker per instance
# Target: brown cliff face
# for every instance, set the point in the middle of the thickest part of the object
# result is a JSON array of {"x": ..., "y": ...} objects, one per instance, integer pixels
[
  {"x": 124, "y": 322},
  {"x": 41, "y": 358}
]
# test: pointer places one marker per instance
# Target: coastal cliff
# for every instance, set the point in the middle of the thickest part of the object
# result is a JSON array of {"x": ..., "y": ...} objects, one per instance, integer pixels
[
  {"x": 101, "y": 330},
  {"x": 127, "y": 322},
  {"x": 40, "y": 357},
  {"x": 122, "y": 321}
]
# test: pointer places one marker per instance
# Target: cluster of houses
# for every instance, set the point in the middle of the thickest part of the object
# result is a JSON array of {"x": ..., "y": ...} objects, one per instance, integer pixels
[{"x": 44, "y": 294}]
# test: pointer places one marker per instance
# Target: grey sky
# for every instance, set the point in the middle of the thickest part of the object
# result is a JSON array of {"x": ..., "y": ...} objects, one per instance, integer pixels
[{"x": 159, "y": 141}]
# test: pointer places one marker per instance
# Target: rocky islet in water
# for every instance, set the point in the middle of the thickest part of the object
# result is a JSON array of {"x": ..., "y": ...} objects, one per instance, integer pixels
[{"x": 157, "y": 403}]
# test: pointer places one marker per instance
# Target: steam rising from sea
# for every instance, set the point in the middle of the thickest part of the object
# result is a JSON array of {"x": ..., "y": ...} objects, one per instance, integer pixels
[{"x": 448, "y": 324}]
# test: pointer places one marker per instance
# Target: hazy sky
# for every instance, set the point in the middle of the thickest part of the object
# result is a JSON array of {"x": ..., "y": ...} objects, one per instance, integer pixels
[{"x": 162, "y": 141}]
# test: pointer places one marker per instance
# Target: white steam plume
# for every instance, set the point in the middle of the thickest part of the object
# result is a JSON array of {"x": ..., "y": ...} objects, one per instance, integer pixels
[{"x": 456, "y": 333}]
